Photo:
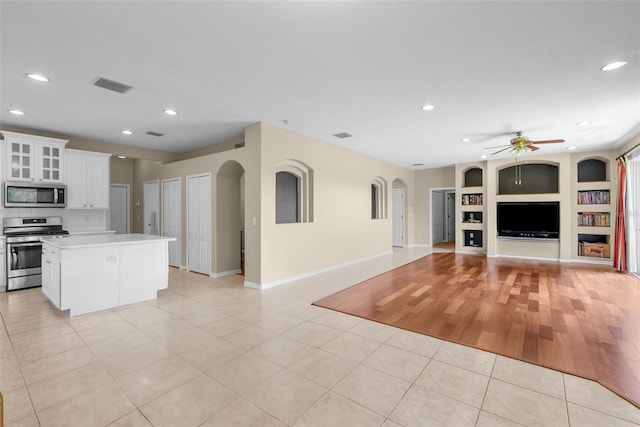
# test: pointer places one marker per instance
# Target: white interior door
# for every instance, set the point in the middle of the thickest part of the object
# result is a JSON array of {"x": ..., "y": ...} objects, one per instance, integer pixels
[
  {"x": 199, "y": 223},
  {"x": 151, "y": 206},
  {"x": 398, "y": 217},
  {"x": 119, "y": 213},
  {"x": 171, "y": 217},
  {"x": 437, "y": 217}
]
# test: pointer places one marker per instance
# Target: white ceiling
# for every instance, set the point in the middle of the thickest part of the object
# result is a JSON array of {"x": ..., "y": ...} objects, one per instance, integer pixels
[{"x": 365, "y": 68}]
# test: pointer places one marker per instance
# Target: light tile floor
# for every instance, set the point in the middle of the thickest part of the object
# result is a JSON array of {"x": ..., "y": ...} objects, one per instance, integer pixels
[{"x": 211, "y": 352}]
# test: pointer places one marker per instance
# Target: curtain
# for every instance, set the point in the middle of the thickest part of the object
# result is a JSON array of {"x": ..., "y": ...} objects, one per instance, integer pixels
[
  {"x": 620, "y": 245},
  {"x": 633, "y": 212}
]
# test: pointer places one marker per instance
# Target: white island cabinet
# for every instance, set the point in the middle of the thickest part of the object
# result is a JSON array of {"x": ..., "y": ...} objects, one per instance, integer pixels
[{"x": 88, "y": 273}]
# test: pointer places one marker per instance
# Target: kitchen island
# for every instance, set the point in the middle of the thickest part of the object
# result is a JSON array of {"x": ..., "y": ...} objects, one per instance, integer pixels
[{"x": 86, "y": 273}]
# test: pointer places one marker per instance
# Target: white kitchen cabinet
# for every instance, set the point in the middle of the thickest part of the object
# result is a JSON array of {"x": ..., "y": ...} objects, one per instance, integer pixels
[
  {"x": 34, "y": 158},
  {"x": 3, "y": 261},
  {"x": 87, "y": 273},
  {"x": 51, "y": 274},
  {"x": 87, "y": 177}
]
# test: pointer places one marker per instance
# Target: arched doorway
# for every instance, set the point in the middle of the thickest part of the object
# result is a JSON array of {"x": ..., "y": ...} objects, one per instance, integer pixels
[{"x": 229, "y": 237}]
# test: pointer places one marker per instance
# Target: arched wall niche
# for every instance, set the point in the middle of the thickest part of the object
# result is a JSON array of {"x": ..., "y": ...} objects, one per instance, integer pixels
[
  {"x": 593, "y": 169},
  {"x": 541, "y": 177},
  {"x": 472, "y": 177},
  {"x": 379, "y": 197},
  {"x": 304, "y": 175}
]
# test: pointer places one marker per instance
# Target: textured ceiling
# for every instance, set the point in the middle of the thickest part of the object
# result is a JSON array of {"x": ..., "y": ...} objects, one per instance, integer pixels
[{"x": 321, "y": 68}]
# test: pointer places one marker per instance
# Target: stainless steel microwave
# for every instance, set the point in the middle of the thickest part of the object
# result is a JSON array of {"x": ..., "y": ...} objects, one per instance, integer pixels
[{"x": 30, "y": 195}]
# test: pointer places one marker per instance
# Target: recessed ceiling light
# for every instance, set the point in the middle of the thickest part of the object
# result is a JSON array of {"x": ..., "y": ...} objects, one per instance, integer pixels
[
  {"x": 573, "y": 147},
  {"x": 122, "y": 157},
  {"x": 428, "y": 107},
  {"x": 127, "y": 132},
  {"x": 171, "y": 112},
  {"x": 465, "y": 140},
  {"x": 614, "y": 65},
  {"x": 37, "y": 77},
  {"x": 18, "y": 112},
  {"x": 583, "y": 123},
  {"x": 484, "y": 156}
]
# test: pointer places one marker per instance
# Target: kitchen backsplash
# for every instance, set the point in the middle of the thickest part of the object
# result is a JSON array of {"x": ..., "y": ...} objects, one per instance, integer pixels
[{"x": 72, "y": 219}]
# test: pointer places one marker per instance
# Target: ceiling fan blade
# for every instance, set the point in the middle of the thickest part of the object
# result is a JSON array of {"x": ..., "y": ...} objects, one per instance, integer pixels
[
  {"x": 498, "y": 146},
  {"x": 548, "y": 141},
  {"x": 500, "y": 151},
  {"x": 533, "y": 147},
  {"x": 478, "y": 137}
]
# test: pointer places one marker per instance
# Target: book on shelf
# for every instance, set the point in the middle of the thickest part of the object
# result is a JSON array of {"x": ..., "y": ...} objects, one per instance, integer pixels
[
  {"x": 594, "y": 197},
  {"x": 594, "y": 219},
  {"x": 472, "y": 199}
]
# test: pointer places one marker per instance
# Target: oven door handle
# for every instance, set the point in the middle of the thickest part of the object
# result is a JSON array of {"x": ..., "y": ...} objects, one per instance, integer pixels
[{"x": 23, "y": 244}]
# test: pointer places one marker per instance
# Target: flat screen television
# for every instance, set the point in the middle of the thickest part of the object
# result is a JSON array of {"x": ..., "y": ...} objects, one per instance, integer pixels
[{"x": 538, "y": 220}]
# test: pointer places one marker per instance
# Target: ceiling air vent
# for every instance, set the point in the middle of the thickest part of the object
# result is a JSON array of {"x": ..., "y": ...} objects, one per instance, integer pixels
[
  {"x": 152, "y": 133},
  {"x": 112, "y": 85},
  {"x": 342, "y": 135}
]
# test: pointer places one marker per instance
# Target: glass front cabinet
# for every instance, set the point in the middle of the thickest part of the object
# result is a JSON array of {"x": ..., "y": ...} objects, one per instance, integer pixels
[{"x": 32, "y": 158}]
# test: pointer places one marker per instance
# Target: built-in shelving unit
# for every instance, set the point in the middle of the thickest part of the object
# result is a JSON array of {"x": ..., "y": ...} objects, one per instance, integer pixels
[
  {"x": 472, "y": 199},
  {"x": 472, "y": 208},
  {"x": 594, "y": 219},
  {"x": 594, "y": 209},
  {"x": 472, "y": 217},
  {"x": 473, "y": 238}
]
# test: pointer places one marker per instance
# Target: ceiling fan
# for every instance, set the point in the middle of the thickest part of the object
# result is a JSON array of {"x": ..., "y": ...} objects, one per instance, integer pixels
[{"x": 522, "y": 143}]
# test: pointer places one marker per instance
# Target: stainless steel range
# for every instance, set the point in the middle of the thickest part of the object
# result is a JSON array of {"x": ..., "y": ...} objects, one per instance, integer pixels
[{"x": 24, "y": 248}]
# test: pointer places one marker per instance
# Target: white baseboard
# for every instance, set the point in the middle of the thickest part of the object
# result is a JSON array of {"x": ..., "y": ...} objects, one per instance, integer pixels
[
  {"x": 419, "y": 245},
  {"x": 252, "y": 285},
  {"x": 472, "y": 253},
  {"x": 529, "y": 257},
  {"x": 594, "y": 261},
  {"x": 225, "y": 273},
  {"x": 263, "y": 286}
]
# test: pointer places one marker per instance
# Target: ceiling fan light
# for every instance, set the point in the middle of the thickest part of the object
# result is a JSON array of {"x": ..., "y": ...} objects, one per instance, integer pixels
[
  {"x": 127, "y": 132},
  {"x": 17, "y": 112},
  {"x": 573, "y": 147},
  {"x": 465, "y": 140},
  {"x": 171, "y": 112},
  {"x": 614, "y": 65},
  {"x": 428, "y": 107}
]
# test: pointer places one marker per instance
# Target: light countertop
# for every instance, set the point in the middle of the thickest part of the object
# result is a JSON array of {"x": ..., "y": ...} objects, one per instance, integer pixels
[
  {"x": 88, "y": 240},
  {"x": 79, "y": 232}
]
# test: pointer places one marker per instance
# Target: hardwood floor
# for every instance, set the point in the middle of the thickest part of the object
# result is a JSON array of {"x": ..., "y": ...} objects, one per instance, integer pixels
[{"x": 582, "y": 319}]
